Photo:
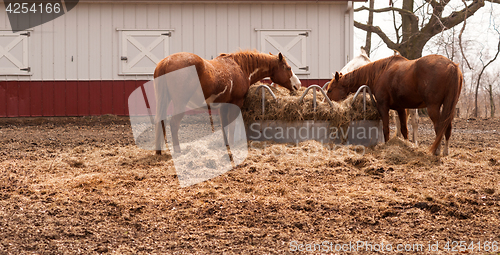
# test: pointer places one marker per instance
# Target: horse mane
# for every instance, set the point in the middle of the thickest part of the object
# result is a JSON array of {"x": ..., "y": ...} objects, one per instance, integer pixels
[
  {"x": 249, "y": 60},
  {"x": 369, "y": 72}
]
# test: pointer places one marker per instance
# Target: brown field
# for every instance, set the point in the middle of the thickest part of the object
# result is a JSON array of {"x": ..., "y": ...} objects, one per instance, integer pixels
[{"x": 80, "y": 185}]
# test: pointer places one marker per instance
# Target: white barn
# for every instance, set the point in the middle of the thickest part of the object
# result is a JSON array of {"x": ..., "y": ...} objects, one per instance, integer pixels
[{"x": 89, "y": 60}]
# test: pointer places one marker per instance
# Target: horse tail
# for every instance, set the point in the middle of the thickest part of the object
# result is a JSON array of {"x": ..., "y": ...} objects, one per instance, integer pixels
[{"x": 449, "y": 104}]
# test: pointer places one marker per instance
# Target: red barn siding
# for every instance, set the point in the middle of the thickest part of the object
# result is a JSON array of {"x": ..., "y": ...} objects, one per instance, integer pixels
[
  {"x": 95, "y": 99},
  {"x": 72, "y": 98},
  {"x": 106, "y": 97},
  {"x": 3, "y": 99},
  {"x": 12, "y": 93},
  {"x": 24, "y": 99},
  {"x": 83, "y": 98},
  {"x": 35, "y": 100},
  {"x": 118, "y": 98},
  {"x": 59, "y": 99},
  {"x": 48, "y": 98}
]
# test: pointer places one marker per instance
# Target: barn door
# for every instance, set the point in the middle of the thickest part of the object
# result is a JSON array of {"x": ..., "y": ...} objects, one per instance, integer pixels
[
  {"x": 291, "y": 43},
  {"x": 142, "y": 50},
  {"x": 14, "y": 53}
]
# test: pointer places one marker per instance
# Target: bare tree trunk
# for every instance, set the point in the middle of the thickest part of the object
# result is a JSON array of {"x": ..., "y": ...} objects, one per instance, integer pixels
[
  {"x": 492, "y": 101},
  {"x": 479, "y": 78},
  {"x": 368, "y": 42}
]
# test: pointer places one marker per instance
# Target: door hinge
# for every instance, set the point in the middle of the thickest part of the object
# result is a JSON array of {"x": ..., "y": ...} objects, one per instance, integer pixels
[
  {"x": 27, "y": 69},
  {"x": 305, "y": 34},
  {"x": 26, "y": 34},
  {"x": 167, "y": 34},
  {"x": 306, "y": 68}
]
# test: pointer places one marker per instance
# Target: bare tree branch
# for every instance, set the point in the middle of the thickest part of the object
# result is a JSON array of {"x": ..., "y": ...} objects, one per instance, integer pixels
[
  {"x": 378, "y": 31},
  {"x": 368, "y": 42},
  {"x": 481, "y": 73},
  {"x": 456, "y": 18},
  {"x": 395, "y": 25},
  {"x": 436, "y": 22},
  {"x": 460, "y": 38},
  {"x": 388, "y": 9}
]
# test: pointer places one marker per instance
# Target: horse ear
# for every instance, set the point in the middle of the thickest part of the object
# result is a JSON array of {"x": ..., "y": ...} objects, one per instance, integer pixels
[
  {"x": 337, "y": 76},
  {"x": 280, "y": 56},
  {"x": 270, "y": 53}
]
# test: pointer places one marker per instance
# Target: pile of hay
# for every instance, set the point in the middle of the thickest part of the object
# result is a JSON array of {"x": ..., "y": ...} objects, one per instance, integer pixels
[{"x": 288, "y": 108}]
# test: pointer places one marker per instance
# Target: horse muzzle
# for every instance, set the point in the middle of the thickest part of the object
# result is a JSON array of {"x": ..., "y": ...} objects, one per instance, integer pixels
[{"x": 294, "y": 80}]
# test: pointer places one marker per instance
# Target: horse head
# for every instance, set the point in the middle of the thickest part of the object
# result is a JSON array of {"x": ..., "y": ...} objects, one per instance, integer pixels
[
  {"x": 282, "y": 74},
  {"x": 336, "y": 89}
]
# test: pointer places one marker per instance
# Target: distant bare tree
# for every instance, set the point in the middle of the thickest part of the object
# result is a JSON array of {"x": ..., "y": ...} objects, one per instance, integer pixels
[
  {"x": 481, "y": 73},
  {"x": 368, "y": 42},
  {"x": 419, "y": 22},
  {"x": 490, "y": 81}
]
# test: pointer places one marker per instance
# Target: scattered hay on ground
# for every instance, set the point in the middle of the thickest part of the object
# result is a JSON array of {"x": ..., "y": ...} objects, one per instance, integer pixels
[{"x": 122, "y": 199}]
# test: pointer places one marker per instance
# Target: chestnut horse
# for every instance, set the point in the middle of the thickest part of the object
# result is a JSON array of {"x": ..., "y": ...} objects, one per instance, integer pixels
[
  {"x": 225, "y": 79},
  {"x": 398, "y": 83},
  {"x": 362, "y": 60}
]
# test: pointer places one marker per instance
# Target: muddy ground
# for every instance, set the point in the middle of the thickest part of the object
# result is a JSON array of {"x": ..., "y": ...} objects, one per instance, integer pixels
[{"x": 81, "y": 186}]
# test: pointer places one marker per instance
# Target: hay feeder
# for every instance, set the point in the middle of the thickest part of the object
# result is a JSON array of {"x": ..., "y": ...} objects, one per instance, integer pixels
[{"x": 267, "y": 126}]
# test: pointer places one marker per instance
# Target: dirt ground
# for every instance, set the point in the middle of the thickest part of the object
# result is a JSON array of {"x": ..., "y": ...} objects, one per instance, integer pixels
[{"x": 81, "y": 186}]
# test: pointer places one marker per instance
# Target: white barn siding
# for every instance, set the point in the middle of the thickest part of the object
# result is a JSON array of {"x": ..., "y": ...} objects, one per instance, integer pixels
[{"x": 85, "y": 44}]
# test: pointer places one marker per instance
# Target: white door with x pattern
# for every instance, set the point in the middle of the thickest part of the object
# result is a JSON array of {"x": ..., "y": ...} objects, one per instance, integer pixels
[
  {"x": 291, "y": 43},
  {"x": 142, "y": 50},
  {"x": 14, "y": 53}
]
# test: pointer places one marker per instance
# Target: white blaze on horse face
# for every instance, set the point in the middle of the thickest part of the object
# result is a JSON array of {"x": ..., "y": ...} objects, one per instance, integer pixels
[
  {"x": 252, "y": 74},
  {"x": 295, "y": 81},
  {"x": 212, "y": 98},
  {"x": 231, "y": 89}
]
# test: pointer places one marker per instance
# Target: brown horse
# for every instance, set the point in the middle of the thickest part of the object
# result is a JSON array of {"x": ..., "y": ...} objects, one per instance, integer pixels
[
  {"x": 225, "y": 79},
  {"x": 398, "y": 83}
]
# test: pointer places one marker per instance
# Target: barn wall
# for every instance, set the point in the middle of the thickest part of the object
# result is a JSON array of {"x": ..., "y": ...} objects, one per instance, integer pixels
[
  {"x": 75, "y": 59},
  {"x": 84, "y": 44}
]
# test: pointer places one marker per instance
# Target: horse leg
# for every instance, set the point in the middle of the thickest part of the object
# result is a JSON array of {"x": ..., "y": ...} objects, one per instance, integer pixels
[
  {"x": 163, "y": 100},
  {"x": 223, "y": 113},
  {"x": 159, "y": 129},
  {"x": 414, "y": 123},
  {"x": 175, "y": 123},
  {"x": 403, "y": 118},
  {"x": 434, "y": 113},
  {"x": 447, "y": 135},
  {"x": 398, "y": 126},
  {"x": 384, "y": 112},
  {"x": 233, "y": 114}
]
